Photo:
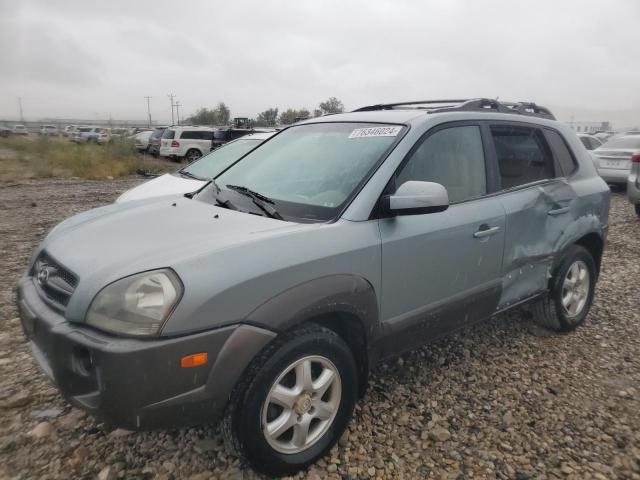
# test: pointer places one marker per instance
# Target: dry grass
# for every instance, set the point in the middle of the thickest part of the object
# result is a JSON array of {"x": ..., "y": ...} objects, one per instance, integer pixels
[{"x": 24, "y": 158}]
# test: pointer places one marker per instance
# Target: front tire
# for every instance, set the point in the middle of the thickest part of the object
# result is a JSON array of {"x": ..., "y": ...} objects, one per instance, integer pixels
[
  {"x": 571, "y": 292},
  {"x": 293, "y": 402}
]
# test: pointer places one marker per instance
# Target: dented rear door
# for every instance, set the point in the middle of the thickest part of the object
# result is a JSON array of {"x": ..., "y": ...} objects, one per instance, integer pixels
[{"x": 537, "y": 201}]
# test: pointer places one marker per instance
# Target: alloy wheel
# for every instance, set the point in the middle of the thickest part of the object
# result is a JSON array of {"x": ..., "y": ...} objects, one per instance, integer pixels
[{"x": 301, "y": 404}]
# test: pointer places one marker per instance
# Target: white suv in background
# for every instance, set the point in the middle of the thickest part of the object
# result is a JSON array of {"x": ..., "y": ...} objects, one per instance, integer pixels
[{"x": 190, "y": 142}]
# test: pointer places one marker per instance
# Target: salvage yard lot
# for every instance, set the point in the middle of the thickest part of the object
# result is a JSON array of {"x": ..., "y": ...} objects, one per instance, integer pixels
[{"x": 504, "y": 399}]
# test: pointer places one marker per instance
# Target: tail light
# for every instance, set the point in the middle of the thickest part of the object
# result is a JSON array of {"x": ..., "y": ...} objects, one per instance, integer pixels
[
  {"x": 175, "y": 143},
  {"x": 635, "y": 158}
]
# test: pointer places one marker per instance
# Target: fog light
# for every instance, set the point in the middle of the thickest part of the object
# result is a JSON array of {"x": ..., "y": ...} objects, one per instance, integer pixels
[{"x": 82, "y": 361}]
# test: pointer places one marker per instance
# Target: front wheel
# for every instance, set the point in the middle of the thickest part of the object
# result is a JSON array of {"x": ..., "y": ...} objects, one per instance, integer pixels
[
  {"x": 571, "y": 292},
  {"x": 294, "y": 401}
]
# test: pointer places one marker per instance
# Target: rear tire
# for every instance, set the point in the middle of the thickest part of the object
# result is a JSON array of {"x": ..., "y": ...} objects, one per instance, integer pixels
[
  {"x": 305, "y": 421},
  {"x": 570, "y": 294},
  {"x": 193, "y": 155}
]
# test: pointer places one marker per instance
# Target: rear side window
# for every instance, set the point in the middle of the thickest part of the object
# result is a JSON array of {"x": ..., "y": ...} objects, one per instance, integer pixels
[
  {"x": 452, "y": 157},
  {"x": 561, "y": 152},
  {"x": 523, "y": 155},
  {"x": 196, "y": 135},
  {"x": 169, "y": 134}
]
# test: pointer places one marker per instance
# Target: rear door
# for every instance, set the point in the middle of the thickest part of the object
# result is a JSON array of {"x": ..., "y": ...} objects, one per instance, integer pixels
[
  {"x": 441, "y": 270},
  {"x": 538, "y": 201}
]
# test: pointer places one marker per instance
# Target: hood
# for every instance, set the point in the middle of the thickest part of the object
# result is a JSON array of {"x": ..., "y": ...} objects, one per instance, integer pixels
[
  {"x": 167, "y": 184},
  {"x": 112, "y": 242}
]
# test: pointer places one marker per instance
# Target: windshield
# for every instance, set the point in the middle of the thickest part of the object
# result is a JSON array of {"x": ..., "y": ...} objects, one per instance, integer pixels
[
  {"x": 211, "y": 165},
  {"x": 311, "y": 171},
  {"x": 623, "y": 142}
]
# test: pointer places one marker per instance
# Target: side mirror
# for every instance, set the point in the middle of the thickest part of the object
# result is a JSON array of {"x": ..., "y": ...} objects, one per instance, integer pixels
[{"x": 417, "y": 198}]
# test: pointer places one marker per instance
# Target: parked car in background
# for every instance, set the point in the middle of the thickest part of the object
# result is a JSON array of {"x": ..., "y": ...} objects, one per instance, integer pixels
[
  {"x": 141, "y": 140},
  {"x": 20, "y": 130},
  {"x": 604, "y": 136},
  {"x": 49, "y": 130},
  {"x": 5, "y": 132},
  {"x": 268, "y": 295},
  {"x": 186, "y": 141},
  {"x": 225, "y": 135},
  {"x": 69, "y": 130},
  {"x": 633, "y": 182},
  {"x": 196, "y": 175},
  {"x": 86, "y": 134},
  {"x": 613, "y": 159},
  {"x": 590, "y": 142},
  {"x": 154, "y": 140},
  {"x": 117, "y": 133},
  {"x": 104, "y": 136}
]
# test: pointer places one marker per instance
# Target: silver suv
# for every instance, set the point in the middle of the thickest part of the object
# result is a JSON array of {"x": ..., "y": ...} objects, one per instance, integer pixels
[{"x": 266, "y": 296}]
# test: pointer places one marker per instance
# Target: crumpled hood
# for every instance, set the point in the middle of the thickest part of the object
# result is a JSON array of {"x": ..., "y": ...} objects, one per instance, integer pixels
[{"x": 108, "y": 243}]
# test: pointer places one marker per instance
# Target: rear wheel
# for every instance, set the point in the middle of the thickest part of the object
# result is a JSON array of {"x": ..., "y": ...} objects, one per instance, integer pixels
[
  {"x": 571, "y": 292},
  {"x": 193, "y": 155},
  {"x": 294, "y": 401}
]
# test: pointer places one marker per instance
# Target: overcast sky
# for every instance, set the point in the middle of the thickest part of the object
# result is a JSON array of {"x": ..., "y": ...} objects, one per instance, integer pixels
[{"x": 93, "y": 59}]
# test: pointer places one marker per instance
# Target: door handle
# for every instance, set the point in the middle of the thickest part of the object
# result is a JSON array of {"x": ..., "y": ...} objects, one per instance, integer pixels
[
  {"x": 486, "y": 231},
  {"x": 558, "y": 211}
]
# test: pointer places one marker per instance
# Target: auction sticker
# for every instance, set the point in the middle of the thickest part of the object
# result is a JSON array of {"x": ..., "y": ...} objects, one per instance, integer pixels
[{"x": 375, "y": 132}]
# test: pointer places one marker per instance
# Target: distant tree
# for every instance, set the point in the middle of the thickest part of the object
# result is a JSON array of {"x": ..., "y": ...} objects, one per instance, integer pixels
[
  {"x": 267, "y": 118},
  {"x": 332, "y": 105},
  {"x": 290, "y": 115},
  {"x": 223, "y": 114},
  {"x": 317, "y": 112},
  {"x": 215, "y": 116}
]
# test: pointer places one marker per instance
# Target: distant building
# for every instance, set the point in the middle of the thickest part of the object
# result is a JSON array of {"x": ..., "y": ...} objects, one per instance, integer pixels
[{"x": 590, "y": 127}]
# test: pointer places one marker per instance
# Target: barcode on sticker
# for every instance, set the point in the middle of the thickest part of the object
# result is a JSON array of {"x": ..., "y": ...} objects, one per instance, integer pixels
[{"x": 375, "y": 132}]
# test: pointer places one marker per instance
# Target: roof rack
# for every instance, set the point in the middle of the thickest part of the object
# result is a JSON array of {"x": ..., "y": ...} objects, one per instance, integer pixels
[{"x": 476, "y": 104}]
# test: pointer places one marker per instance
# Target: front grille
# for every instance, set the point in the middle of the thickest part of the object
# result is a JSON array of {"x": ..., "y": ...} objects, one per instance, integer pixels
[{"x": 54, "y": 283}]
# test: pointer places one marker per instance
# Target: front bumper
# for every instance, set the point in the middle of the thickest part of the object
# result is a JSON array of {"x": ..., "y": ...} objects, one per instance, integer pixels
[{"x": 137, "y": 384}]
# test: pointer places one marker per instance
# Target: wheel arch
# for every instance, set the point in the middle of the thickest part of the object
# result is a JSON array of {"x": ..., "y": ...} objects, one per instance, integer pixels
[
  {"x": 346, "y": 304},
  {"x": 594, "y": 244}
]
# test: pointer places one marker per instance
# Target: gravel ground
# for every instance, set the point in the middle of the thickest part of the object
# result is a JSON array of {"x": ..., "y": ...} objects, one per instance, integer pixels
[{"x": 504, "y": 399}]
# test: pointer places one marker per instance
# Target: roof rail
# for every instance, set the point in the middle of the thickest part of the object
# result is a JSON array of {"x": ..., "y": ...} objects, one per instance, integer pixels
[{"x": 476, "y": 104}]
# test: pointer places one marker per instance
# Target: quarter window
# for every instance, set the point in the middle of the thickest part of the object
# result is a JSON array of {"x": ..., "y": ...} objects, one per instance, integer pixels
[
  {"x": 561, "y": 152},
  {"x": 453, "y": 157},
  {"x": 523, "y": 155}
]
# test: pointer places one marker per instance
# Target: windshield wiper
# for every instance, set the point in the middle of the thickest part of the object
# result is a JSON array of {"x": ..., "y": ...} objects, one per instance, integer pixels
[
  {"x": 263, "y": 202},
  {"x": 184, "y": 173}
]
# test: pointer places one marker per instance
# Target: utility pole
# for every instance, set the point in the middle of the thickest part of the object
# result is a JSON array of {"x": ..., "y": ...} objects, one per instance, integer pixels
[
  {"x": 178, "y": 105},
  {"x": 20, "y": 107},
  {"x": 149, "y": 110},
  {"x": 171, "y": 97}
]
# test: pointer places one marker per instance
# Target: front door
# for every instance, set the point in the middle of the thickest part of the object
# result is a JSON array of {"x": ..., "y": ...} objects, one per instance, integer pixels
[{"x": 442, "y": 270}]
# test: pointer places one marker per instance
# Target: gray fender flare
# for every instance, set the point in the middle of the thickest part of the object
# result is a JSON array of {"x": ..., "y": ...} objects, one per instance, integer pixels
[{"x": 332, "y": 294}]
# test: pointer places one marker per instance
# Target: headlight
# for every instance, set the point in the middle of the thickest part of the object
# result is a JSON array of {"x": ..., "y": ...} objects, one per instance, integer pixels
[{"x": 137, "y": 305}]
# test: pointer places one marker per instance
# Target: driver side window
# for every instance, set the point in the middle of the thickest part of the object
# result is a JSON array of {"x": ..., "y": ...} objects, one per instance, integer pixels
[{"x": 453, "y": 157}]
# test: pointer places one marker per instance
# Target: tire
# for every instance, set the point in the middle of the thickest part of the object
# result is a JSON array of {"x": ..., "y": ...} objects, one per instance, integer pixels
[
  {"x": 637, "y": 207},
  {"x": 551, "y": 312},
  {"x": 193, "y": 155},
  {"x": 248, "y": 411}
]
